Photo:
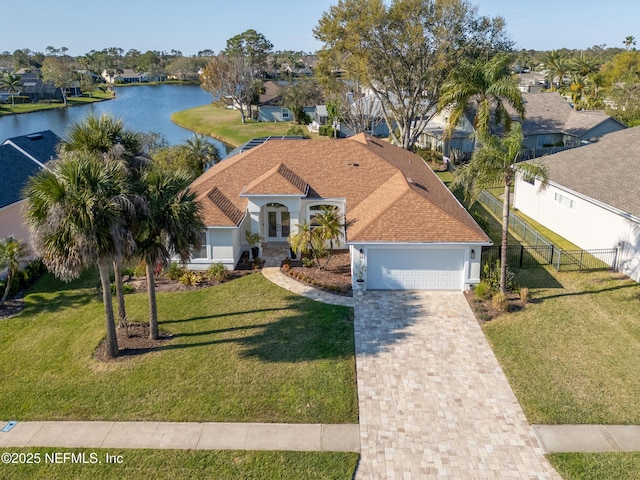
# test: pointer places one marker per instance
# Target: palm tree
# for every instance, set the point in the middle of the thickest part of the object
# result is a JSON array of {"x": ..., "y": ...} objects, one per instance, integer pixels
[
  {"x": 629, "y": 42},
  {"x": 204, "y": 152},
  {"x": 557, "y": 66},
  {"x": 109, "y": 138},
  {"x": 490, "y": 85},
  {"x": 171, "y": 226},
  {"x": 305, "y": 240},
  {"x": 12, "y": 252},
  {"x": 329, "y": 228},
  {"x": 75, "y": 210},
  {"x": 494, "y": 164},
  {"x": 11, "y": 82}
]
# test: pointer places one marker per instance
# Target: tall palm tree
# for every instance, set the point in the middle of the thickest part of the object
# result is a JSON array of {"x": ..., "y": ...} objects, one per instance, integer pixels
[
  {"x": 11, "y": 82},
  {"x": 108, "y": 137},
  {"x": 12, "y": 252},
  {"x": 556, "y": 65},
  {"x": 629, "y": 42},
  {"x": 494, "y": 164},
  {"x": 329, "y": 228},
  {"x": 490, "y": 85},
  {"x": 205, "y": 153},
  {"x": 171, "y": 226},
  {"x": 75, "y": 210}
]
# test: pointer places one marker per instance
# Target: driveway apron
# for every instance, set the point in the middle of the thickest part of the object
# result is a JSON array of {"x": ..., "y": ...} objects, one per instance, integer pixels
[{"x": 434, "y": 402}]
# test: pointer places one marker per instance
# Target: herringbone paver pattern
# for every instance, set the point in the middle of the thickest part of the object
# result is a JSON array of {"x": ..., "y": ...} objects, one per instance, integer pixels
[{"x": 434, "y": 402}]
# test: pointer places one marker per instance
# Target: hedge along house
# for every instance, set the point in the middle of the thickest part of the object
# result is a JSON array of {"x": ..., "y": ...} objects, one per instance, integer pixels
[{"x": 401, "y": 222}]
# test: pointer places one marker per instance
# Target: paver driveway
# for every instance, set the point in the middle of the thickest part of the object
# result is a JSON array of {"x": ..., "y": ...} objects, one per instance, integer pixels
[{"x": 434, "y": 402}]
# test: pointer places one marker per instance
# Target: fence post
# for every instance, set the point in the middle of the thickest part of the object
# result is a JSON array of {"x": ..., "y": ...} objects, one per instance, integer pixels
[
  {"x": 559, "y": 257},
  {"x": 521, "y": 254},
  {"x": 551, "y": 257},
  {"x": 581, "y": 252}
]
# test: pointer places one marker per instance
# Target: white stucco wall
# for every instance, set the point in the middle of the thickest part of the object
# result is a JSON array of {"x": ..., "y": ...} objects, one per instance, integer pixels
[
  {"x": 12, "y": 223},
  {"x": 588, "y": 225}
]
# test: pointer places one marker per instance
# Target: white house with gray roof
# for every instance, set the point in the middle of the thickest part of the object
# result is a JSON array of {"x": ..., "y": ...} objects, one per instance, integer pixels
[{"x": 592, "y": 198}]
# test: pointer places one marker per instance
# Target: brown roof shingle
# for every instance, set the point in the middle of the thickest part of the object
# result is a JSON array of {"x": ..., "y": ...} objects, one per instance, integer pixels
[{"x": 382, "y": 205}]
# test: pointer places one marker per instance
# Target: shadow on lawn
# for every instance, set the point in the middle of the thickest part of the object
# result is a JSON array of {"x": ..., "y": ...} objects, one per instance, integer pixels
[{"x": 305, "y": 331}]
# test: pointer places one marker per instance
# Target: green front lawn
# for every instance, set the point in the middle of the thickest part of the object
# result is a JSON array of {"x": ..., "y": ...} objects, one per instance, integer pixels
[
  {"x": 182, "y": 464},
  {"x": 245, "y": 351},
  {"x": 97, "y": 96},
  {"x": 597, "y": 466},
  {"x": 570, "y": 355},
  {"x": 225, "y": 125}
]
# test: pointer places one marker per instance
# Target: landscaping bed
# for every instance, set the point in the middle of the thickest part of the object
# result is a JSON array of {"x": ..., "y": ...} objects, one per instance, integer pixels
[{"x": 335, "y": 278}]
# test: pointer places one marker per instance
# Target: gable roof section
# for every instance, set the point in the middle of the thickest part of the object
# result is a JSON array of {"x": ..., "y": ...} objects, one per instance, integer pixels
[
  {"x": 549, "y": 112},
  {"x": 279, "y": 180},
  {"x": 607, "y": 171},
  {"x": 370, "y": 174},
  {"x": 21, "y": 158}
]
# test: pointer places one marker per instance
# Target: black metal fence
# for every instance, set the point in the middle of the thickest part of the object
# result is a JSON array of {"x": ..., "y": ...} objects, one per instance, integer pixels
[{"x": 522, "y": 256}]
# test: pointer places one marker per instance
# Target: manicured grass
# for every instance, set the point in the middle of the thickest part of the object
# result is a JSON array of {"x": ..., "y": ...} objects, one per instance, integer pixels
[
  {"x": 225, "y": 125},
  {"x": 244, "y": 351},
  {"x": 570, "y": 355},
  {"x": 596, "y": 466},
  {"x": 97, "y": 96},
  {"x": 178, "y": 464}
]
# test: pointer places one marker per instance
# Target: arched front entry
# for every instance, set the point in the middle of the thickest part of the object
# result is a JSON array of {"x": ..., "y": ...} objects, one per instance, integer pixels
[{"x": 277, "y": 222}]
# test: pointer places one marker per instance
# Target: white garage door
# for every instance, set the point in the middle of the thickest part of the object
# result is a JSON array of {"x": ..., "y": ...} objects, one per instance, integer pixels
[{"x": 390, "y": 269}]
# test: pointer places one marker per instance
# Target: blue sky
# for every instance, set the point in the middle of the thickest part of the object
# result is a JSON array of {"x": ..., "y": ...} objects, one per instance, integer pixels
[{"x": 193, "y": 25}]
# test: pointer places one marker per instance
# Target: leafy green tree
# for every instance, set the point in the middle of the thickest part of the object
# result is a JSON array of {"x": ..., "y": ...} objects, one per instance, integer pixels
[
  {"x": 11, "y": 82},
  {"x": 12, "y": 252},
  {"x": 59, "y": 71},
  {"x": 488, "y": 84},
  {"x": 170, "y": 226},
  {"x": 251, "y": 45},
  {"x": 494, "y": 163},
  {"x": 297, "y": 95},
  {"x": 76, "y": 210},
  {"x": 404, "y": 52}
]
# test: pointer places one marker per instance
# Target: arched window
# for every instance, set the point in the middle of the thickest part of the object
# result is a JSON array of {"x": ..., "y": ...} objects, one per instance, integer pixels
[{"x": 316, "y": 209}]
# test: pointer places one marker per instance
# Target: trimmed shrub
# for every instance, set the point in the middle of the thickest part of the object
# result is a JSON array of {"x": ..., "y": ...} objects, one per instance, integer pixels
[
  {"x": 216, "y": 272},
  {"x": 126, "y": 288},
  {"x": 174, "y": 272},
  {"x": 483, "y": 290},
  {"x": 190, "y": 278},
  {"x": 492, "y": 276}
]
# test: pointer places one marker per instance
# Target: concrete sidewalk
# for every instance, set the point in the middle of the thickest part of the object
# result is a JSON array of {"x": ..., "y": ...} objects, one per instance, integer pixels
[
  {"x": 184, "y": 436},
  {"x": 588, "y": 438}
]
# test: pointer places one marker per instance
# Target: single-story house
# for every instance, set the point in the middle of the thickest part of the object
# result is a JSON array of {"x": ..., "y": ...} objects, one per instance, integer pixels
[
  {"x": 592, "y": 197},
  {"x": 401, "y": 223},
  {"x": 20, "y": 158},
  {"x": 550, "y": 125}
]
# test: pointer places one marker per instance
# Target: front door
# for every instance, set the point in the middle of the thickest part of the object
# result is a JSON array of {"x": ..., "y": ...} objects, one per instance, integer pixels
[{"x": 278, "y": 224}]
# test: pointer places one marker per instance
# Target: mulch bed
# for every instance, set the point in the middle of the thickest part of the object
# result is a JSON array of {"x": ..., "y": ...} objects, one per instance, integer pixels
[
  {"x": 336, "y": 278},
  {"x": 132, "y": 340},
  {"x": 485, "y": 311},
  {"x": 11, "y": 307}
]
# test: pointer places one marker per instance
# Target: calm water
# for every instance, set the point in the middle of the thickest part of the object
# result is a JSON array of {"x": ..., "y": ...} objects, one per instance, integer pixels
[{"x": 145, "y": 108}]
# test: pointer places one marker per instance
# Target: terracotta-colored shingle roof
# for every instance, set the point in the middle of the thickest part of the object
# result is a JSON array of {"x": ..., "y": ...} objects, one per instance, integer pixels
[
  {"x": 279, "y": 180},
  {"x": 370, "y": 174}
]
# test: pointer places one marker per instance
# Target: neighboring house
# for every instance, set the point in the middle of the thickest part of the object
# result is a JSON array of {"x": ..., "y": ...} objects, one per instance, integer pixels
[
  {"x": 532, "y": 82},
  {"x": 592, "y": 197},
  {"x": 127, "y": 75},
  {"x": 32, "y": 86},
  {"x": 402, "y": 223},
  {"x": 21, "y": 158},
  {"x": 550, "y": 125}
]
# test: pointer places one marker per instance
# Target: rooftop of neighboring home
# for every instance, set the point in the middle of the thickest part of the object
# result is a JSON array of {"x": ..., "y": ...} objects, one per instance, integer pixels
[
  {"x": 391, "y": 194},
  {"x": 607, "y": 171},
  {"x": 549, "y": 112},
  {"x": 20, "y": 158}
]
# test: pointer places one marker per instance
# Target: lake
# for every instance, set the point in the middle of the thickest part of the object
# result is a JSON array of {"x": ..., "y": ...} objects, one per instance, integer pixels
[{"x": 145, "y": 108}]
